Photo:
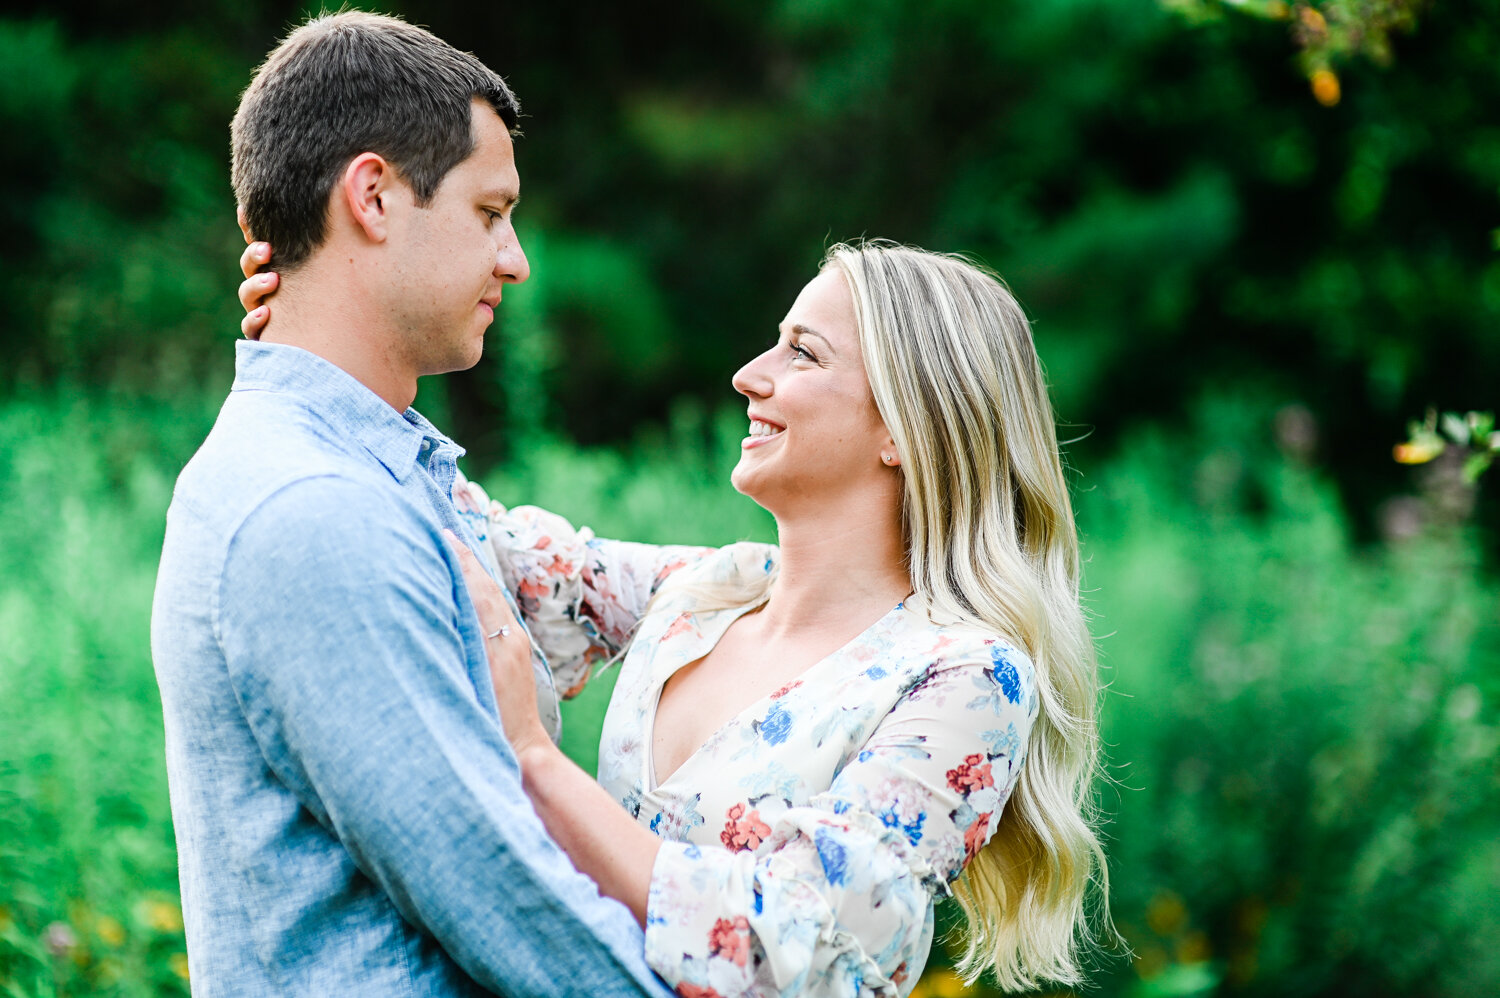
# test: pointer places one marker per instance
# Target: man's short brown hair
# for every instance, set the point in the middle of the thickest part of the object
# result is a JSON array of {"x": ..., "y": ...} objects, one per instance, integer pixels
[{"x": 341, "y": 85}]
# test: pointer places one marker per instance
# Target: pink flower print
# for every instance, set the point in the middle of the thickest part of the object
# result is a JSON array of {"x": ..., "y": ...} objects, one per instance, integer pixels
[
  {"x": 743, "y": 831},
  {"x": 686, "y": 990},
  {"x": 786, "y": 689},
  {"x": 730, "y": 940},
  {"x": 900, "y": 974},
  {"x": 681, "y": 625},
  {"x": 971, "y": 775},
  {"x": 975, "y": 836},
  {"x": 533, "y": 590}
]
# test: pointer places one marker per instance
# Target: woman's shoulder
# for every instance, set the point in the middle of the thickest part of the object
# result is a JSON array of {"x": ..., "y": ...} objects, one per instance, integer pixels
[
  {"x": 743, "y": 562},
  {"x": 930, "y": 646}
]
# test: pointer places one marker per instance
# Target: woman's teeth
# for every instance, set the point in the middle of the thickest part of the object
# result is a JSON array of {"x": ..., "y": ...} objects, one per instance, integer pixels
[{"x": 759, "y": 429}]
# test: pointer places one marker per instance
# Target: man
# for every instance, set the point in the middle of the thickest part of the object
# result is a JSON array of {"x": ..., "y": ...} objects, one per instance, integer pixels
[{"x": 349, "y": 817}]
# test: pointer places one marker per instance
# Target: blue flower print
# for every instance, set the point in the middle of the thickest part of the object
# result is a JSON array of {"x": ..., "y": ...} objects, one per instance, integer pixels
[
  {"x": 1002, "y": 743},
  {"x": 875, "y": 672},
  {"x": 833, "y": 857},
  {"x": 1000, "y": 686},
  {"x": 677, "y": 820},
  {"x": 776, "y": 725},
  {"x": 910, "y": 827},
  {"x": 1006, "y": 675}
]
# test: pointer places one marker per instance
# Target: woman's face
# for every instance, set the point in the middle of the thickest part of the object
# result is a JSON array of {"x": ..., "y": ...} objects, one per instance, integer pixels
[{"x": 815, "y": 434}]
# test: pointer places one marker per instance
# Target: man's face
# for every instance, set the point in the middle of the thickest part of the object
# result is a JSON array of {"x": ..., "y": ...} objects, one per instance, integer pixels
[{"x": 458, "y": 253}]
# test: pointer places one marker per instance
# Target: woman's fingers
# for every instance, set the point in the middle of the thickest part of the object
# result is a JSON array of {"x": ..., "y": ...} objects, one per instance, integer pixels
[
  {"x": 255, "y": 254},
  {"x": 254, "y": 322},
  {"x": 253, "y": 292},
  {"x": 489, "y": 600},
  {"x": 256, "y": 287}
]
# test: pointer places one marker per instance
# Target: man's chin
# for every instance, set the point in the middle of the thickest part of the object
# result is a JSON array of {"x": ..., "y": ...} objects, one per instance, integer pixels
[{"x": 456, "y": 362}]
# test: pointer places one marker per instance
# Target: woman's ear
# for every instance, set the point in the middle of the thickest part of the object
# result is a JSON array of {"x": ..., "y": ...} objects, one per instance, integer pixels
[
  {"x": 889, "y": 456},
  {"x": 365, "y": 186}
]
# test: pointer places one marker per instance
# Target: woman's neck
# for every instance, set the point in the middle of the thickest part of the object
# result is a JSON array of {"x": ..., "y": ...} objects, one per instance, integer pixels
[{"x": 836, "y": 568}]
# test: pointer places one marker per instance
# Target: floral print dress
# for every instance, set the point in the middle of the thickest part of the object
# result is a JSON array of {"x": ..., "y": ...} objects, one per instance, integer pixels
[{"x": 806, "y": 841}]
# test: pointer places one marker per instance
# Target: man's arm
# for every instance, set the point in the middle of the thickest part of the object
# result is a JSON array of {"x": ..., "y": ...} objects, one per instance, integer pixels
[{"x": 341, "y": 614}]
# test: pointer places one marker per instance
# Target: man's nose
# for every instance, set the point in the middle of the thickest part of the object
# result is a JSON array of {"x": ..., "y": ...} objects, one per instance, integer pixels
[{"x": 511, "y": 264}]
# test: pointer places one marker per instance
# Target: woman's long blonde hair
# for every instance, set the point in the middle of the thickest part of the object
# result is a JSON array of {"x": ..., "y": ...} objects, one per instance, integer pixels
[{"x": 991, "y": 541}]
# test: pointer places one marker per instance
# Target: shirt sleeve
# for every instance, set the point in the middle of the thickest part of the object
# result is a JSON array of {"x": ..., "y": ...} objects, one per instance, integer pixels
[
  {"x": 349, "y": 638},
  {"x": 581, "y": 596},
  {"x": 834, "y": 898}
]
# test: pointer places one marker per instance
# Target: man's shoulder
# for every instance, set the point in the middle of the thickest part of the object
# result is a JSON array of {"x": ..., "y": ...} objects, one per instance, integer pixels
[{"x": 264, "y": 448}]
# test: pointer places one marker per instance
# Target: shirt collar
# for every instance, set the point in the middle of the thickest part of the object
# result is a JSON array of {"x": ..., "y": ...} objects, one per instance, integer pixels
[{"x": 400, "y": 441}]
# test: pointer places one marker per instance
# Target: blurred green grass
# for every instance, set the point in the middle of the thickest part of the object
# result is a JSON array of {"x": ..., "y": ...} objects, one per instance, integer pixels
[{"x": 1302, "y": 732}]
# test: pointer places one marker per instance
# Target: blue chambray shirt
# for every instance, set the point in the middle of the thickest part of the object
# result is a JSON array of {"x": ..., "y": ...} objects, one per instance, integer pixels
[{"x": 349, "y": 816}]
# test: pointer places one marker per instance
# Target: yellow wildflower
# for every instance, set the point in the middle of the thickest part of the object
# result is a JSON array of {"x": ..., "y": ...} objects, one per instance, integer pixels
[{"x": 109, "y": 931}]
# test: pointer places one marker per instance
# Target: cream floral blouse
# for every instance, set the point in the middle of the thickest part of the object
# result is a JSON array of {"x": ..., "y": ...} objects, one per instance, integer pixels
[{"x": 806, "y": 841}]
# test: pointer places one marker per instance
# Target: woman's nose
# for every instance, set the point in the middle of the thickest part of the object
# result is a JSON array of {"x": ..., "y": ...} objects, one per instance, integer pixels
[{"x": 752, "y": 379}]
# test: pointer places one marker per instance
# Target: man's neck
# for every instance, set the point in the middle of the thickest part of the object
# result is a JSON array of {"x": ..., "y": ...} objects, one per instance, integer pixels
[{"x": 331, "y": 319}]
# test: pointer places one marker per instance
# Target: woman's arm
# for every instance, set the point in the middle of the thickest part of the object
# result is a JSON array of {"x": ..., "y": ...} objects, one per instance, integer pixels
[
  {"x": 581, "y": 596},
  {"x": 602, "y": 840}
]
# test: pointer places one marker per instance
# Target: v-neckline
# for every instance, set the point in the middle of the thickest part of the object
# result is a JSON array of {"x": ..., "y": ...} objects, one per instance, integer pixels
[{"x": 659, "y": 684}]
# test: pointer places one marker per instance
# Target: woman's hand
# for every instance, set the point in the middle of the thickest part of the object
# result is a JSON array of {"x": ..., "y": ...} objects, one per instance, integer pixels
[
  {"x": 509, "y": 652},
  {"x": 256, "y": 288}
]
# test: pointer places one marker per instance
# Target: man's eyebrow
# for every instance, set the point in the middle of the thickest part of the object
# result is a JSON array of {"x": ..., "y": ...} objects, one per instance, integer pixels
[{"x": 502, "y": 198}]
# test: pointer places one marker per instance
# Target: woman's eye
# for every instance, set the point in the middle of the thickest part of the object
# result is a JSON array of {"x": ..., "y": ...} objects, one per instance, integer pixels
[{"x": 802, "y": 352}]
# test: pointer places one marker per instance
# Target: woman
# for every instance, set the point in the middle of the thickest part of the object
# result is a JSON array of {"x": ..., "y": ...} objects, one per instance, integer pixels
[{"x": 811, "y": 742}]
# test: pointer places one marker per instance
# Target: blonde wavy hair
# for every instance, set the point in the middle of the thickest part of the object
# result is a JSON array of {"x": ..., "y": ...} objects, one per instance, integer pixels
[{"x": 990, "y": 542}]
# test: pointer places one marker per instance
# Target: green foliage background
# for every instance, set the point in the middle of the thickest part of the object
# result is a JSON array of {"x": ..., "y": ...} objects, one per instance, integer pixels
[{"x": 1241, "y": 296}]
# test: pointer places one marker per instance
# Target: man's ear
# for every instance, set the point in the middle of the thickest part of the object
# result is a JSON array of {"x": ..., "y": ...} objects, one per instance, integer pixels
[
  {"x": 239, "y": 216},
  {"x": 365, "y": 187}
]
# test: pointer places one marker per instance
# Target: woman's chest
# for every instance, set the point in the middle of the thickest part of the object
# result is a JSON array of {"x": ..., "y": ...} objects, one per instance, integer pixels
[
  {"x": 704, "y": 696},
  {"x": 780, "y": 752}
]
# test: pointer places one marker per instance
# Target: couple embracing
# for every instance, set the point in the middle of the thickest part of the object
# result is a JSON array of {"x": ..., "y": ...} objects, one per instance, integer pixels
[{"x": 808, "y": 744}]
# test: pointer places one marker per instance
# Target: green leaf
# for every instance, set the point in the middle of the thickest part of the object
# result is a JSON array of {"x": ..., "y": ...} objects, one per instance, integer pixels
[{"x": 1476, "y": 465}]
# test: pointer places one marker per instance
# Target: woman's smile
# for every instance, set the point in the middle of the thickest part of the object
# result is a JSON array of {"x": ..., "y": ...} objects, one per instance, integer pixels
[{"x": 761, "y": 432}]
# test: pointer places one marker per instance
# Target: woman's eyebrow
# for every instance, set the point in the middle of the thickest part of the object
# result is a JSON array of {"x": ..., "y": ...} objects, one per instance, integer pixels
[{"x": 802, "y": 330}]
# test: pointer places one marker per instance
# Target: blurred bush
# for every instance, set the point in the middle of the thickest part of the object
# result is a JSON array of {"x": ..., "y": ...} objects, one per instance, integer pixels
[
  {"x": 1303, "y": 733},
  {"x": 1171, "y": 203}
]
